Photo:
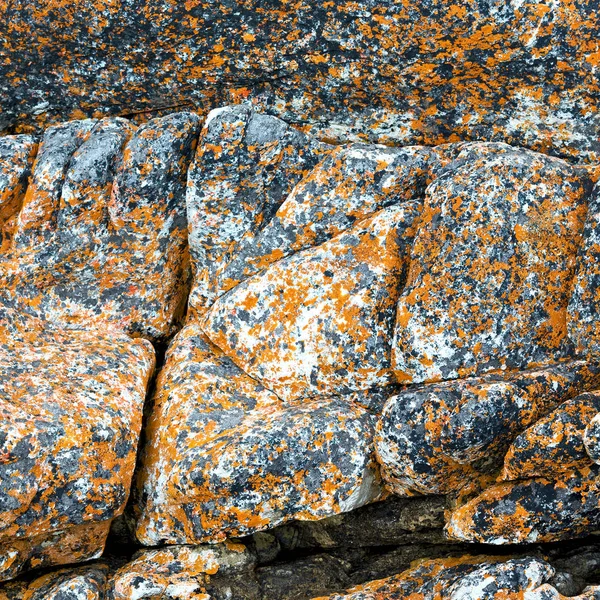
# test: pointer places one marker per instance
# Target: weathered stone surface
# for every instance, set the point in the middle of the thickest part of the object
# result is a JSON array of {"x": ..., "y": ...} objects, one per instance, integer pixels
[
  {"x": 83, "y": 583},
  {"x": 224, "y": 456},
  {"x": 532, "y": 510},
  {"x": 71, "y": 406},
  {"x": 101, "y": 236},
  {"x": 349, "y": 184},
  {"x": 96, "y": 251},
  {"x": 390, "y": 522},
  {"x": 303, "y": 578},
  {"x": 246, "y": 165},
  {"x": 584, "y": 306},
  {"x": 523, "y": 72},
  {"x": 555, "y": 443},
  {"x": 591, "y": 439},
  {"x": 469, "y": 578},
  {"x": 442, "y": 437},
  {"x": 16, "y": 158},
  {"x": 491, "y": 267},
  {"x": 320, "y": 322},
  {"x": 177, "y": 572}
]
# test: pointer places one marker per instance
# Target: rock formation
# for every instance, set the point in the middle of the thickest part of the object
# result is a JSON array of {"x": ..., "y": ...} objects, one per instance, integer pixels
[{"x": 338, "y": 340}]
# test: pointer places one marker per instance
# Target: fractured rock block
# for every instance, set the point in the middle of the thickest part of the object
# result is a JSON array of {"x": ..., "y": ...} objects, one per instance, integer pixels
[
  {"x": 245, "y": 167},
  {"x": 467, "y": 578},
  {"x": 224, "y": 456},
  {"x": 438, "y": 438},
  {"x": 83, "y": 583},
  {"x": 71, "y": 406},
  {"x": 555, "y": 443},
  {"x": 101, "y": 236},
  {"x": 178, "y": 572},
  {"x": 320, "y": 321},
  {"x": 531, "y": 510},
  {"x": 491, "y": 267}
]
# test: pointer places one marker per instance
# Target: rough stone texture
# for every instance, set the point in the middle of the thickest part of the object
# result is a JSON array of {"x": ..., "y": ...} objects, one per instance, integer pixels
[
  {"x": 320, "y": 322},
  {"x": 555, "y": 443},
  {"x": 525, "y": 73},
  {"x": 16, "y": 158},
  {"x": 491, "y": 267},
  {"x": 71, "y": 405},
  {"x": 224, "y": 456},
  {"x": 84, "y": 583},
  {"x": 245, "y": 167},
  {"x": 584, "y": 306},
  {"x": 531, "y": 510},
  {"x": 439, "y": 438},
  {"x": 101, "y": 236},
  {"x": 178, "y": 572},
  {"x": 471, "y": 578},
  {"x": 354, "y": 309},
  {"x": 96, "y": 253}
]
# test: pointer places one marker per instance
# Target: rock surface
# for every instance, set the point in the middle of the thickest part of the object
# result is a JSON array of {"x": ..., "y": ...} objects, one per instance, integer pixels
[
  {"x": 525, "y": 73},
  {"x": 364, "y": 323},
  {"x": 94, "y": 253}
]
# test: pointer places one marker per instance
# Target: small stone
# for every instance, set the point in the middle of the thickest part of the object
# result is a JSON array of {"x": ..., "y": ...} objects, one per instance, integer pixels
[
  {"x": 83, "y": 583},
  {"x": 177, "y": 572}
]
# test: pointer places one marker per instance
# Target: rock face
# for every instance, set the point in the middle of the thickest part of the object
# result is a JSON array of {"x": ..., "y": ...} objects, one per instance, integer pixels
[
  {"x": 93, "y": 252},
  {"x": 525, "y": 73},
  {"x": 364, "y": 324}
]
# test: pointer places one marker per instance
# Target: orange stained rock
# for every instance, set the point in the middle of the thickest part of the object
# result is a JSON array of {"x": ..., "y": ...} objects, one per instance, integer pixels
[
  {"x": 178, "y": 572},
  {"x": 555, "y": 443},
  {"x": 16, "y": 158},
  {"x": 245, "y": 166},
  {"x": 531, "y": 510},
  {"x": 225, "y": 457},
  {"x": 468, "y": 577},
  {"x": 71, "y": 406},
  {"x": 491, "y": 266},
  {"x": 430, "y": 439},
  {"x": 319, "y": 322},
  {"x": 97, "y": 254},
  {"x": 103, "y": 239}
]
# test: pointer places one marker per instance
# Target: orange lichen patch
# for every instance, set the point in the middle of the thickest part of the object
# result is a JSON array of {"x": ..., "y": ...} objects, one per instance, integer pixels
[
  {"x": 103, "y": 239},
  {"x": 468, "y": 577},
  {"x": 408, "y": 74},
  {"x": 245, "y": 167},
  {"x": 322, "y": 318},
  {"x": 429, "y": 439},
  {"x": 491, "y": 266},
  {"x": 71, "y": 408},
  {"x": 349, "y": 184},
  {"x": 179, "y": 572},
  {"x": 532, "y": 510},
  {"x": 225, "y": 457},
  {"x": 83, "y": 583},
  {"x": 99, "y": 252},
  {"x": 73, "y": 544},
  {"x": 583, "y": 322},
  {"x": 555, "y": 443},
  {"x": 16, "y": 158}
]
